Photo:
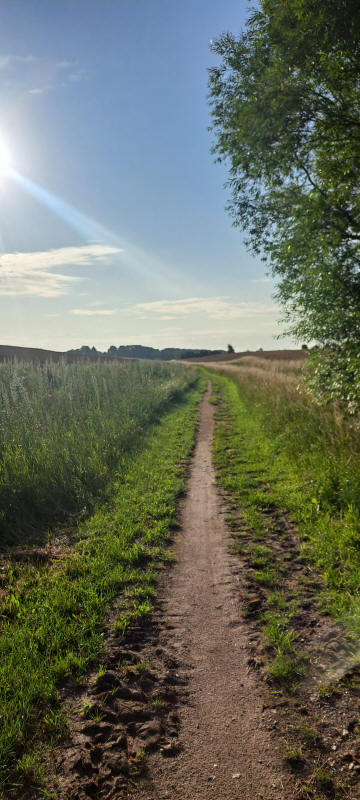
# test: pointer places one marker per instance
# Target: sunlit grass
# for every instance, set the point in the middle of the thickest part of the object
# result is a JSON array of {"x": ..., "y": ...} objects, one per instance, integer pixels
[
  {"x": 53, "y": 615},
  {"x": 64, "y": 428},
  {"x": 305, "y": 458}
]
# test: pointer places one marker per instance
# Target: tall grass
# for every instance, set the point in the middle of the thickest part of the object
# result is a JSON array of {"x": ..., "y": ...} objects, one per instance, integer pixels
[
  {"x": 53, "y": 613},
  {"x": 307, "y": 457},
  {"x": 64, "y": 428},
  {"x": 323, "y": 442}
]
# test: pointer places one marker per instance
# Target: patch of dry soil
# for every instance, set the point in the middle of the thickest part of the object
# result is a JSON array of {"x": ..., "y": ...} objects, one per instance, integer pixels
[{"x": 225, "y": 748}]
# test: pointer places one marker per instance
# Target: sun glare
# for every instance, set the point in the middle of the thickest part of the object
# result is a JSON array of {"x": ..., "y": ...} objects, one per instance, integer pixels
[{"x": 5, "y": 157}]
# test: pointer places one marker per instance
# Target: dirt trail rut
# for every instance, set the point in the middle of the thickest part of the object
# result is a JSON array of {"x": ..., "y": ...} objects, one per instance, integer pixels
[{"x": 226, "y": 748}]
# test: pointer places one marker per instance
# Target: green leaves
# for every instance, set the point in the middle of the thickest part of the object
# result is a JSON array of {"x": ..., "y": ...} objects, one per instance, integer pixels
[{"x": 285, "y": 109}]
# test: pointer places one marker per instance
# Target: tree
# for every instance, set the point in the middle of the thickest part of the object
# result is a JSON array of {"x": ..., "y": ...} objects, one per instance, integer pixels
[
  {"x": 230, "y": 348},
  {"x": 285, "y": 108}
]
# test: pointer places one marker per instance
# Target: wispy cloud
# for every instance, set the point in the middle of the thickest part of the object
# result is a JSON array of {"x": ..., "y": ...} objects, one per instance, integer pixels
[
  {"x": 93, "y": 312},
  {"x": 220, "y": 308},
  {"x": 31, "y": 273},
  {"x": 7, "y": 60},
  {"x": 75, "y": 77},
  {"x": 65, "y": 64},
  {"x": 37, "y": 75}
]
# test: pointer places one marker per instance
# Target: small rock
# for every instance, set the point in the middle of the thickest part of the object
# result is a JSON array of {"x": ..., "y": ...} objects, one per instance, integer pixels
[
  {"x": 345, "y": 733},
  {"x": 169, "y": 749},
  {"x": 236, "y": 776}
]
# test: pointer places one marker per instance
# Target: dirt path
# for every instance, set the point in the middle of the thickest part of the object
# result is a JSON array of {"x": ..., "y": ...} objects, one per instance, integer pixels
[{"x": 226, "y": 749}]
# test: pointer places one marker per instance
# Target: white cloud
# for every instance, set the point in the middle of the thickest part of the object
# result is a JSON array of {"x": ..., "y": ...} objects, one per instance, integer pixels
[
  {"x": 30, "y": 273},
  {"x": 220, "y": 308},
  {"x": 65, "y": 64},
  {"x": 74, "y": 77},
  {"x": 93, "y": 312},
  {"x": 37, "y": 91}
]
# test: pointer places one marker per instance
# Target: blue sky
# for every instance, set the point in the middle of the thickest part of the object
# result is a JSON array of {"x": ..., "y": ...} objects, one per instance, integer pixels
[{"x": 113, "y": 227}]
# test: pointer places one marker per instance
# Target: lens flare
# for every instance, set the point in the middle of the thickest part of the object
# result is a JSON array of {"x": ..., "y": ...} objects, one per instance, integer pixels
[{"x": 5, "y": 157}]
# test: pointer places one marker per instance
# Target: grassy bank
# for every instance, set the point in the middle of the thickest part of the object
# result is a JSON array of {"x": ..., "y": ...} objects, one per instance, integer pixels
[
  {"x": 276, "y": 446},
  {"x": 53, "y": 614},
  {"x": 63, "y": 428}
]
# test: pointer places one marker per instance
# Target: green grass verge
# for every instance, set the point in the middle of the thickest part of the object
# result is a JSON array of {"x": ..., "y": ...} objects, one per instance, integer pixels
[
  {"x": 275, "y": 447},
  {"x": 53, "y": 616}
]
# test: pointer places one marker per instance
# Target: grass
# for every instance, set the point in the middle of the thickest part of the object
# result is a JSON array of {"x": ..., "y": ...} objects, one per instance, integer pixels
[
  {"x": 293, "y": 756},
  {"x": 63, "y": 431},
  {"x": 277, "y": 446},
  {"x": 54, "y": 614}
]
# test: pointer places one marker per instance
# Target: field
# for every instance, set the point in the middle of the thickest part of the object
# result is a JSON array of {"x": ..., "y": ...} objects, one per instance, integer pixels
[
  {"x": 112, "y": 439},
  {"x": 94, "y": 459},
  {"x": 268, "y": 355},
  {"x": 63, "y": 431},
  {"x": 307, "y": 456}
]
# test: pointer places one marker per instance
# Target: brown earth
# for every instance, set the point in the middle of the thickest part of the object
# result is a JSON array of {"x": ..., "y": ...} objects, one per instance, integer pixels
[
  {"x": 272, "y": 355},
  {"x": 226, "y": 749}
]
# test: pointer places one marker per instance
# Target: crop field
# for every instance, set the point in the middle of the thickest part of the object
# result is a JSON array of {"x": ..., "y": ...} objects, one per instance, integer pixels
[
  {"x": 64, "y": 428},
  {"x": 108, "y": 440}
]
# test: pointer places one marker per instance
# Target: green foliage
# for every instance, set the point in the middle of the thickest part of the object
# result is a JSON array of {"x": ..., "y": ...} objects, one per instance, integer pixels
[
  {"x": 334, "y": 374},
  {"x": 293, "y": 756},
  {"x": 64, "y": 428},
  {"x": 53, "y": 616},
  {"x": 285, "y": 110},
  {"x": 307, "y": 455}
]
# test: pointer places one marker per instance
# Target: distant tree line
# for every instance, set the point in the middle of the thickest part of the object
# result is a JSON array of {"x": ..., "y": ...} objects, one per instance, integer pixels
[{"x": 139, "y": 351}]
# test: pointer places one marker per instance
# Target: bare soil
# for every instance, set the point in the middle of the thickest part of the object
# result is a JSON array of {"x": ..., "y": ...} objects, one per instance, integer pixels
[
  {"x": 178, "y": 711},
  {"x": 226, "y": 750}
]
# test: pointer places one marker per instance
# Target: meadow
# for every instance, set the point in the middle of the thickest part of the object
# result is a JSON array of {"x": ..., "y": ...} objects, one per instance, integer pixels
[
  {"x": 94, "y": 457},
  {"x": 63, "y": 429},
  {"x": 117, "y": 437},
  {"x": 278, "y": 447}
]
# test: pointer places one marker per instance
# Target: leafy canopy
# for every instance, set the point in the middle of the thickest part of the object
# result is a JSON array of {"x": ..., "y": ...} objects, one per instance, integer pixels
[{"x": 285, "y": 106}]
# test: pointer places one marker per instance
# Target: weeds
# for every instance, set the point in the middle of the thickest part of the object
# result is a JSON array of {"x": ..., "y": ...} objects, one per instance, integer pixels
[
  {"x": 293, "y": 756},
  {"x": 309, "y": 735}
]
